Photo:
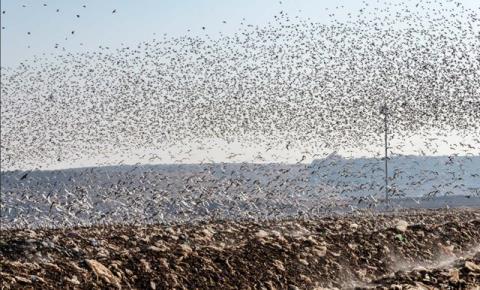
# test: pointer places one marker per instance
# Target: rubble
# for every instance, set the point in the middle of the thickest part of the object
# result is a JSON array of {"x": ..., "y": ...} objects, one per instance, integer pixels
[{"x": 438, "y": 248}]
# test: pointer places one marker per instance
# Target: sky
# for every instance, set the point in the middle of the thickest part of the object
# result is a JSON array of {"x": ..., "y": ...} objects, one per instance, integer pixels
[
  {"x": 133, "y": 21},
  {"x": 137, "y": 21}
]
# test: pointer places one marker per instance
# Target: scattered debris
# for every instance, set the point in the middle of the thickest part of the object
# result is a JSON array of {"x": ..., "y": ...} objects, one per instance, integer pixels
[{"x": 323, "y": 253}]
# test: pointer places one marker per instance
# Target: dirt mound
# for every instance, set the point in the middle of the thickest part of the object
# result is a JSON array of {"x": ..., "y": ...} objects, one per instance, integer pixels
[{"x": 360, "y": 251}]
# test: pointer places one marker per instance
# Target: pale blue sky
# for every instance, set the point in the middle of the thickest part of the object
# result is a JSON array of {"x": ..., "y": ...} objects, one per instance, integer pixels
[
  {"x": 133, "y": 22},
  {"x": 137, "y": 21}
]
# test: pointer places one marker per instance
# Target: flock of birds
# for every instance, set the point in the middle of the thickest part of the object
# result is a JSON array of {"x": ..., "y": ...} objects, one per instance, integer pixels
[
  {"x": 192, "y": 192},
  {"x": 291, "y": 84}
]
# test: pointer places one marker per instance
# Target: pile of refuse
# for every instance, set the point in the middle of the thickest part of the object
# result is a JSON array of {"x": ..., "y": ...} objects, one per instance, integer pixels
[{"x": 400, "y": 250}]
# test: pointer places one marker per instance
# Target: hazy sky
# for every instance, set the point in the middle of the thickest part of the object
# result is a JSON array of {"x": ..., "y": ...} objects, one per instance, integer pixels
[{"x": 136, "y": 21}]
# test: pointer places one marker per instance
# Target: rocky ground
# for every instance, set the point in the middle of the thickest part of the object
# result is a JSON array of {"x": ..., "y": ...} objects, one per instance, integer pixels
[{"x": 423, "y": 249}]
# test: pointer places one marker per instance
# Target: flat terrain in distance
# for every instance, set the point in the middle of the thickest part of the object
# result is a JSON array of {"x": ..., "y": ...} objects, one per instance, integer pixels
[{"x": 409, "y": 249}]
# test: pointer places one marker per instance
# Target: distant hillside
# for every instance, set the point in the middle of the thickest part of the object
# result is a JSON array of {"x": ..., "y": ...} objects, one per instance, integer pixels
[
  {"x": 408, "y": 176},
  {"x": 188, "y": 192}
]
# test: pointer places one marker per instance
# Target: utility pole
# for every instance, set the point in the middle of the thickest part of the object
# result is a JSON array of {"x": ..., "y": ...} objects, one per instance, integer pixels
[{"x": 383, "y": 110}]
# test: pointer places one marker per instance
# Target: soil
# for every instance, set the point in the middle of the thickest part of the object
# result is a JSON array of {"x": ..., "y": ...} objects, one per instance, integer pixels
[{"x": 421, "y": 249}]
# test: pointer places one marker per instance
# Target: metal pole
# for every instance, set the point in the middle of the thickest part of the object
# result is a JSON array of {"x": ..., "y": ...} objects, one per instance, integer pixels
[{"x": 386, "y": 151}]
